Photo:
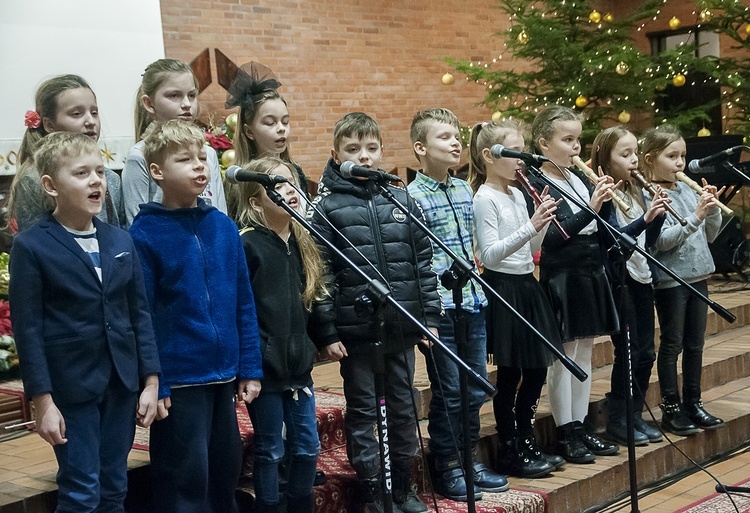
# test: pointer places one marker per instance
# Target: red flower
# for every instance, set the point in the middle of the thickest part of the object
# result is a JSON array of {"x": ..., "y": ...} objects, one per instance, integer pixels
[
  {"x": 218, "y": 142},
  {"x": 32, "y": 119},
  {"x": 5, "y": 325}
]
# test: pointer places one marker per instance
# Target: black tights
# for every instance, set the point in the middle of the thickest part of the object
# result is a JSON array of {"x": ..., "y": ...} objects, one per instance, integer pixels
[{"x": 514, "y": 406}]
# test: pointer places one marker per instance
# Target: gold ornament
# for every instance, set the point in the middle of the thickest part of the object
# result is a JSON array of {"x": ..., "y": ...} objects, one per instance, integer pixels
[
  {"x": 624, "y": 117},
  {"x": 661, "y": 86},
  {"x": 447, "y": 79},
  {"x": 231, "y": 121},
  {"x": 581, "y": 102},
  {"x": 595, "y": 16},
  {"x": 704, "y": 132},
  {"x": 609, "y": 18},
  {"x": 227, "y": 158},
  {"x": 747, "y": 29},
  {"x": 679, "y": 80},
  {"x": 497, "y": 116},
  {"x": 622, "y": 68},
  {"x": 523, "y": 37},
  {"x": 674, "y": 23},
  {"x": 705, "y": 16}
]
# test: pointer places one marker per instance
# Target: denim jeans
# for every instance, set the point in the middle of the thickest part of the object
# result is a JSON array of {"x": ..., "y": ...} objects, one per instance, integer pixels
[
  {"x": 445, "y": 406},
  {"x": 269, "y": 412},
  {"x": 682, "y": 318}
]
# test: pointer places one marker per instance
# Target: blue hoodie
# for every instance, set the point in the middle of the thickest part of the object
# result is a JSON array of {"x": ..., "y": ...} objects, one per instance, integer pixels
[{"x": 199, "y": 292}]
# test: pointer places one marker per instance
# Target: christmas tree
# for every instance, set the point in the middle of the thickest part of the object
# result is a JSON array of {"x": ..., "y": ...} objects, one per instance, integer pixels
[{"x": 584, "y": 59}]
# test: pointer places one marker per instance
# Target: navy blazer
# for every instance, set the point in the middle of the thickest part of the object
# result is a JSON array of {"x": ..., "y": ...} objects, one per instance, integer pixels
[{"x": 73, "y": 331}]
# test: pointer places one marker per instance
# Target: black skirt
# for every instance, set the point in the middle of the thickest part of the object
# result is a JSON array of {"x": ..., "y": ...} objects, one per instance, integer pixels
[
  {"x": 574, "y": 279},
  {"x": 510, "y": 341}
]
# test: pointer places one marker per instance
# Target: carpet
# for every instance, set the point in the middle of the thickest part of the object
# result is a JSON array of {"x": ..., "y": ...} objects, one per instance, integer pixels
[{"x": 720, "y": 503}]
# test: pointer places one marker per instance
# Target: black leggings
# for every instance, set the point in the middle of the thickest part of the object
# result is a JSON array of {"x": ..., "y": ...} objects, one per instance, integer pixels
[{"x": 514, "y": 406}]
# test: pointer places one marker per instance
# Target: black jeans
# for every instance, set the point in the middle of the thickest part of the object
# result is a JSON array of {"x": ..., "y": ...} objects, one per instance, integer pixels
[
  {"x": 682, "y": 318},
  {"x": 637, "y": 313}
]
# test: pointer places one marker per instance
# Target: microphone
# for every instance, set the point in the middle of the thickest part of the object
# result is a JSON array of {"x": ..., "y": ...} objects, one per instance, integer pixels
[
  {"x": 696, "y": 165},
  {"x": 498, "y": 151},
  {"x": 235, "y": 174},
  {"x": 349, "y": 170}
]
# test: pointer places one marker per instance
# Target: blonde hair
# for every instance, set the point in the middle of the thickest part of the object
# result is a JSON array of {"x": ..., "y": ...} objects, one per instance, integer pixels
[
  {"x": 163, "y": 138},
  {"x": 312, "y": 262},
  {"x": 420, "y": 123},
  {"x": 46, "y": 106},
  {"x": 59, "y": 145},
  {"x": 483, "y": 136},
  {"x": 355, "y": 124},
  {"x": 543, "y": 126},
  {"x": 601, "y": 156},
  {"x": 245, "y": 148},
  {"x": 153, "y": 78},
  {"x": 654, "y": 142}
]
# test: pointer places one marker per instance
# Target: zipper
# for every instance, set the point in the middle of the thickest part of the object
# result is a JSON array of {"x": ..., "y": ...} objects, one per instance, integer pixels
[
  {"x": 208, "y": 292},
  {"x": 377, "y": 238}
]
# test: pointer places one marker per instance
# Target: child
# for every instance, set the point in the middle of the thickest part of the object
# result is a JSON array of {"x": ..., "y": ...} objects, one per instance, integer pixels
[
  {"x": 263, "y": 125},
  {"x": 573, "y": 276},
  {"x": 286, "y": 274},
  {"x": 205, "y": 323},
  {"x": 83, "y": 330},
  {"x": 169, "y": 90},
  {"x": 64, "y": 103},
  {"x": 447, "y": 208},
  {"x": 506, "y": 239},
  {"x": 684, "y": 249},
  {"x": 616, "y": 154},
  {"x": 402, "y": 253}
]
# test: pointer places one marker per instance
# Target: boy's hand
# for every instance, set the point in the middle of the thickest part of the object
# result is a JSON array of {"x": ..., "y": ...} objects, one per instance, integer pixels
[
  {"x": 248, "y": 390},
  {"x": 426, "y": 342},
  {"x": 162, "y": 408},
  {"x": 148, "y": 402},
  {"x": 334, "y": 352},
  {"x": 50, "y": 423}
]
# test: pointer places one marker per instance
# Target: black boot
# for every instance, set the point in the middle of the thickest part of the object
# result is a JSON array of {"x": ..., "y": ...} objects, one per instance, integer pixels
[
  {"x": 653, "y": 434},
  {"x": 700, "y": 417},
  {"x": 374, "y": 499},
  {"x": 570, "y": 447},
  {"x": 515, "y": 460},
  {"x": 617, "y": 424},
  {"x": 674, "y": 419},
  {"x": 299, "y": 504},
  {"x": 260, "y": 507},
  {"x": 450, "y": 482},
  {"x": 532, "y": 449},
  {"x": 405, "y": 489},
  {"x": 592, "y": 442}
]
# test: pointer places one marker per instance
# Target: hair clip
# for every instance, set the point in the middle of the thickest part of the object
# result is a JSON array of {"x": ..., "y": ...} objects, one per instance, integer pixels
[
  {"x": 32, "y": 119},
  {"x": 252, "y": 78}
]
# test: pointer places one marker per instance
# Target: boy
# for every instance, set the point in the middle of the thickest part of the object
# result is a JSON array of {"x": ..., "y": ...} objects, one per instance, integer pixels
[
  {"x": 447, "y": 206},
  {"x": 83, "y": 330},
  {"x": 206, "y": 329},
  {"x": 385, "y": 237}
]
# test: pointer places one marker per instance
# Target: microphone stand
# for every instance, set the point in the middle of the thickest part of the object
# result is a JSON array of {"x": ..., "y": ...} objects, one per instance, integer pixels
[
  {"x": 455, "y": 278},
  {"x": 376, "y": 296},
  {"x": 623, "y": 246}
]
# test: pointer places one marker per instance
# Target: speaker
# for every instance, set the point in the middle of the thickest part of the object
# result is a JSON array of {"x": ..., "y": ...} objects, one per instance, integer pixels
[{"x": 730, "y": 249}]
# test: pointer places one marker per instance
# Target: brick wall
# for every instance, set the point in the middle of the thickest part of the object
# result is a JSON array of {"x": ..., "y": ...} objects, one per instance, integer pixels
[{"x": 382, "y": 57}]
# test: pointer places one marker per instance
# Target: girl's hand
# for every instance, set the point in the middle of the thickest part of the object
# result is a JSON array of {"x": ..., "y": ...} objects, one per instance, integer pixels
[
  {"x": 50, "y": 423},
  {"x": 148, "y": 402},
  {"x": 601, "y": 191},
  {"x": 705, "y": 202},
  {"x": 545, "y": 212},
  {"x": 248, "y": 390},
  {"x": 162, "y": 408},
  {"x": 334, "y": 352},
  {"x": 711, "y": 189},
  {"x": 658, "y": 205}
]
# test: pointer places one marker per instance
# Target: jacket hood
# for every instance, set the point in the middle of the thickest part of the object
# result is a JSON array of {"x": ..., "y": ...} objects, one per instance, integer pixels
[{"x": 335, "y": 182}]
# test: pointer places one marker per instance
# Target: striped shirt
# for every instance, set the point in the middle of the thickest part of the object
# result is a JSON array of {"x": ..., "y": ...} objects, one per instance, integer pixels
[
  {"x": 448, "y": 211},
  {"x": 90, "y": 245}
]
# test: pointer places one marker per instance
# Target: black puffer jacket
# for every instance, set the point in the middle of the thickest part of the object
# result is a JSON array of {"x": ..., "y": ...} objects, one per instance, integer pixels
[
  {"x": 277, "y": 279},
  {"x": 384, "y": 235}
]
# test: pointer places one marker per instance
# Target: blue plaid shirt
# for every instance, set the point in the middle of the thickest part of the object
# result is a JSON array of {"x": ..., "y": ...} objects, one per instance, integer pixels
[{"x": 449, "y": 212}]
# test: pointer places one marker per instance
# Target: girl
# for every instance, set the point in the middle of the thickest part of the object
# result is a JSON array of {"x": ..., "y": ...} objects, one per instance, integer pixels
[
  {"x": 573, "y": 276},
  {"x": 169, "y": 90},
  {"x": 616, "y": 154},
  {"x": 506, "y": 239},
  {"x": 64, "y": 103},
  {"x": 286, "y": 274},
  {"x": 263, "y": 125},
  {"x": 684, "y": 249}
]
